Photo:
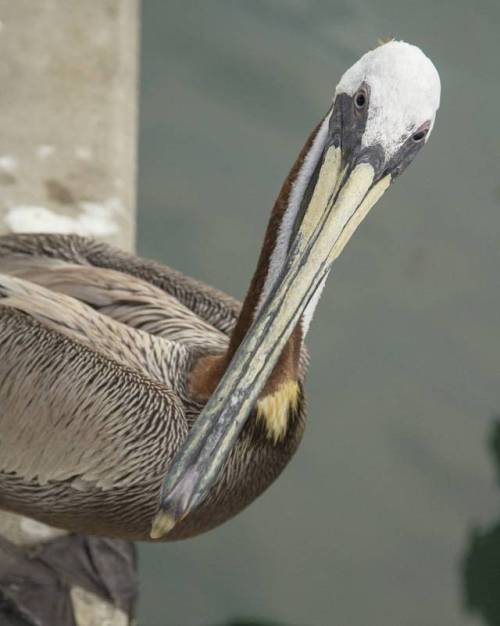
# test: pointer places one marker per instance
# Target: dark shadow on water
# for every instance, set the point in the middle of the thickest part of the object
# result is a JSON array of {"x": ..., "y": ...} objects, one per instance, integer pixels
[{"x": 481, "y": 564}]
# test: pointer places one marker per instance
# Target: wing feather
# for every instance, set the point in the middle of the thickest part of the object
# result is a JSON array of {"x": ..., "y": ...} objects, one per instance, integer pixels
[
  {"x": 209, "y": 304},
  {"x": 154, "y": 357},
  {"x": 69, "y": 413},
  {"x": 125, "y": 298}
]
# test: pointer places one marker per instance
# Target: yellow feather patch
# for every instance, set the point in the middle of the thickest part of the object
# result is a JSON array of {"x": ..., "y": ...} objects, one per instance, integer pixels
[{"x": 274, "y": 409}]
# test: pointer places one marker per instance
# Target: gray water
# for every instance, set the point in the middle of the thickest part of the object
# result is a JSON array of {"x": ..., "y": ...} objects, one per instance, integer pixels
[{"x": 390, "y": 512}]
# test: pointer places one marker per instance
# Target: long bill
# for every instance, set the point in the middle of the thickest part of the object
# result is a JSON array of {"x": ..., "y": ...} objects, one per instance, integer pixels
[{"x": 339, "y": 200}]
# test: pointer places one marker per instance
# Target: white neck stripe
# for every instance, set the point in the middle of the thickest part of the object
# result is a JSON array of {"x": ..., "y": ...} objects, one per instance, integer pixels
[{"x": 299, "y": 186}]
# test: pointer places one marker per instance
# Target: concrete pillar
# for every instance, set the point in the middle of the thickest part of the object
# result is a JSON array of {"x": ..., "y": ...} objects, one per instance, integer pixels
[
  {"x": 68, "y": 125},
  {"x": 68, "y": 109}
]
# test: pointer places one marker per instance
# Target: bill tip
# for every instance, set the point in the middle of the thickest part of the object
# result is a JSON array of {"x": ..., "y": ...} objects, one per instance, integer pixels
[{"x": 162, "y": 525}]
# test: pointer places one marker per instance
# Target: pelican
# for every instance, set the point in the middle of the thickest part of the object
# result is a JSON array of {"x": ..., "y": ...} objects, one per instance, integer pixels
[{"x": 136, "y": 402}]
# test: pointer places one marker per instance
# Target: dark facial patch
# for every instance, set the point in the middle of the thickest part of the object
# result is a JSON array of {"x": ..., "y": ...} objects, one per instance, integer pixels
[
  {"x": 406, "y": 153},
  {"x": 348, "y": 120},
  {"x": 347, "y": 126}
]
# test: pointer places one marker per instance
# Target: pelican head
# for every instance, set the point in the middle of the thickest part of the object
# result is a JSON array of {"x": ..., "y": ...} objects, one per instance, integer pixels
[
  {"x": 383, "y": 112},
  {"x": 385, "y": 107}
]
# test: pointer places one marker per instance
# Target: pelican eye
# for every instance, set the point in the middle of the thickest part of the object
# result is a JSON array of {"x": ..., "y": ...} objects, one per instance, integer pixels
[
  {"x": 419, "y": 135},
  {"x": 360, "y": 99}
]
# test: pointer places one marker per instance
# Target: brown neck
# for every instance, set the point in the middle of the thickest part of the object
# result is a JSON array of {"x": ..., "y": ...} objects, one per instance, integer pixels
[{"x": 209, "y": 369}]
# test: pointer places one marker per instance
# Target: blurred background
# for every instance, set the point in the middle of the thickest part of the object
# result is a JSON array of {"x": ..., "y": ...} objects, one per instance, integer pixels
[{"x": 390, "y": 512}]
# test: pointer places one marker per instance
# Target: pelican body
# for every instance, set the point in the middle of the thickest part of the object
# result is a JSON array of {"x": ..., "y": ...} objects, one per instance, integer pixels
[{"x": 136, "y": 402}]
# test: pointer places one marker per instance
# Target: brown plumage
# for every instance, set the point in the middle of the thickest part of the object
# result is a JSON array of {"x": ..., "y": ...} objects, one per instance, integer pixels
[{"x": 106, "y": 360}]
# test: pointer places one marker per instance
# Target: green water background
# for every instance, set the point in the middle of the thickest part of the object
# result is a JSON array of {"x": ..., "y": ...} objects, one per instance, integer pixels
[{"x": 388, "y": 514}]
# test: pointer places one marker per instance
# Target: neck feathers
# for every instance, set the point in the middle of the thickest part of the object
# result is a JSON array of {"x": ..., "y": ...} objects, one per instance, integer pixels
[
  {"x": 281, "y": 394},
  {"x": 279, "y": 231},
  {"x": 287, "y": 207}
]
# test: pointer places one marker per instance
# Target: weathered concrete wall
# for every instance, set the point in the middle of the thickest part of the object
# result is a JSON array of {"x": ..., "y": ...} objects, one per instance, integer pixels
[
  {"x": 68, "y": 76},
  {"x": 68, "y": 111}
]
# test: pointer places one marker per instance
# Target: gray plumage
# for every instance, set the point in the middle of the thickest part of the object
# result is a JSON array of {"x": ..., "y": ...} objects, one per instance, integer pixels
[{"x": 95, "y": 348}]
